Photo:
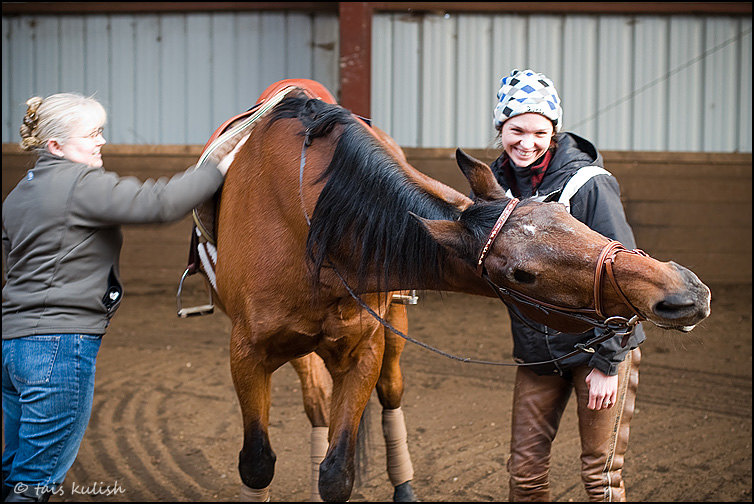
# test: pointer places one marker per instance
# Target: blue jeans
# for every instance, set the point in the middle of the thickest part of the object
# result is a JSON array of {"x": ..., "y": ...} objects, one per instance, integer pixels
[{"x": 48, "y": 388}]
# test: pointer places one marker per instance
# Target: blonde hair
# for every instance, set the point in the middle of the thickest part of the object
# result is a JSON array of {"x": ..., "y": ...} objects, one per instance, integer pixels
[{"x": 54, "y": 117}]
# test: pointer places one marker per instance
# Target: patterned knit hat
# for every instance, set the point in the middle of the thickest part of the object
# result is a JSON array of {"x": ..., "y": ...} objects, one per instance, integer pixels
[{"x": 527, "y": 91}]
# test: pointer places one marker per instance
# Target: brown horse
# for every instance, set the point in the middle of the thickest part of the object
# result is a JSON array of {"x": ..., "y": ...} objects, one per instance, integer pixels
[{"x": 318, "y": 208}]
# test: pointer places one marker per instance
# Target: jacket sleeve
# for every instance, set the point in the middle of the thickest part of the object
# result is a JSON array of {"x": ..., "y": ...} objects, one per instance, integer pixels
[
  {"x": 6, "y": 251},
  {"x": 597, "y": 204},
  {"x": 103, "y": 198}
]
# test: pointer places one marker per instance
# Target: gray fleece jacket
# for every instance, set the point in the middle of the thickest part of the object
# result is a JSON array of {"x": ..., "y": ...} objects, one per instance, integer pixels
[{"x": 62, "y": 240}]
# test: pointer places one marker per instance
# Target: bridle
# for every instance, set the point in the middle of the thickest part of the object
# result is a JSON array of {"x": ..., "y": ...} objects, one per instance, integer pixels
[
  {"x": 615, "y": 325},
  {"x": 594, "y": 317}
]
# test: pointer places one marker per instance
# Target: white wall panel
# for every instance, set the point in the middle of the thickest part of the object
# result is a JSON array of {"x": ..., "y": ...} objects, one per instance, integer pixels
[
  {"x": 122, "y": 66},
  {"x": 405, "y": 79},
  {"x": 649, "y": 96},
  {"x": 679, "y": 83},
  {"x": 70, "y": 51},
  {"x": 544, "y": 42},
  {"x": 382, "y": 74},
  {"x": 224, "y": 94},
  {"x": 438, "y": 72},
  {"x": 474, "y": 77},
  {"x": 164, "y": 79},
  {"x": 43, "y": 37},
  {"x": 324, "y": 67},
  {"x": 615, "y": 83},
  {"x": 97, "y": 80},
  {"x": 626, "y": 82},
  {"x": 173, "y": 104},
  {"x": 509, "y": 51},
  {"x": 147, "y": 73},
  {"x": 720, "y": 93},
  {"x": 744, "y": 88},
  {"x": 6, "y": 105},
  {"x": 685, "y": 84},
  {"x": 250, "y": 79},
  {"x": 580, "y": 75}
]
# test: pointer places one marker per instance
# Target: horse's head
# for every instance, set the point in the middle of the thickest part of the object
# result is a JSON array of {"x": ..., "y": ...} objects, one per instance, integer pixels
[{"x": 547, "y": 262}]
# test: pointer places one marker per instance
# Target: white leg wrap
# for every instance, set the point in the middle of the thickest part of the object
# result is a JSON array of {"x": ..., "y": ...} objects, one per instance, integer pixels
[
  {"x": 254, "y": 495},
  {"x": 399, "y": 467},
  {"x": 318, "y": 451}
]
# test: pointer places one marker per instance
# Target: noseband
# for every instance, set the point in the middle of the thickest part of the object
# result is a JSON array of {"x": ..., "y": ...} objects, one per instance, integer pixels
[{"x": 594, "y": 317}]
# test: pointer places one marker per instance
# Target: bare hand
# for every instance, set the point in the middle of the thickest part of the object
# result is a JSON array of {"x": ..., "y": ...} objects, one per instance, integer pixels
[
  {"x": 603, "y": 390},
  {"x": 227, "y": 159}
]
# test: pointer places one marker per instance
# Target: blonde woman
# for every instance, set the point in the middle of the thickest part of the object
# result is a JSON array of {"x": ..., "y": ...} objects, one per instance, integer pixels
[{"x": 61, "y": 243}]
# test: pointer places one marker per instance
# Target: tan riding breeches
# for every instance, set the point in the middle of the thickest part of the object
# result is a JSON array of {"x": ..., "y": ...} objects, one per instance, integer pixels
[{"x": 538, "y": 405}]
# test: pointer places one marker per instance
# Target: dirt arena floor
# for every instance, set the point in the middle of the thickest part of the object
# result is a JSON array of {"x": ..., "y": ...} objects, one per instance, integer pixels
[{"x": 166, "y": 424}]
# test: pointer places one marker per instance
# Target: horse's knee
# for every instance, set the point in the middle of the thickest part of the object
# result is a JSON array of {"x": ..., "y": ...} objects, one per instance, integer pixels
[
  {"x": 256, "y": 461},
  {"x": 336, "y": 473}
]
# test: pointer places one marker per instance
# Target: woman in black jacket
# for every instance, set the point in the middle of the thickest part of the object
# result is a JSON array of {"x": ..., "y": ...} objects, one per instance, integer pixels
[{"x": 537, "y": 160}]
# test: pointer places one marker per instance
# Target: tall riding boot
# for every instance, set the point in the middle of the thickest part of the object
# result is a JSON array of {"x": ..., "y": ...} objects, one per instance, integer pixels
[
  {"x": 538, "y": 405},
  {"x": 604, "y": 433}
]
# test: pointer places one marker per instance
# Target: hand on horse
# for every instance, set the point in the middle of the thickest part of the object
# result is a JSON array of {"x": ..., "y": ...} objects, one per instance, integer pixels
[
  {"x": 603, "y": 390},
  {"x": 227, "y": 159}
]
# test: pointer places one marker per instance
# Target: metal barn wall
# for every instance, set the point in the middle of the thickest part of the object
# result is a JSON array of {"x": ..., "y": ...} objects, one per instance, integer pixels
[
  {"x": 641, "y": 82},
  {"x": 164, "y": 78},
  {"x": 633, "y": 82}
]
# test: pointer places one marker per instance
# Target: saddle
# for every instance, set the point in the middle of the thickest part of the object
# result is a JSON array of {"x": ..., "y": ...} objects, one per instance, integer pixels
[{"x": 202, "y": 252}]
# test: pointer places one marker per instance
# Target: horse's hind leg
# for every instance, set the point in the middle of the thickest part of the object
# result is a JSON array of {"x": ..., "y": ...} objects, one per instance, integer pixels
[
  {"x": 390, "y": 393},
  {"x": 316, "y": 388},
  {"x": 256, "y": 461}
]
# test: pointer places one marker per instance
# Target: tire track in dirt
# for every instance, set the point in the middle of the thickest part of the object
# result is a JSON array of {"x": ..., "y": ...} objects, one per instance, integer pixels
[{"x": 152, "y": 454}]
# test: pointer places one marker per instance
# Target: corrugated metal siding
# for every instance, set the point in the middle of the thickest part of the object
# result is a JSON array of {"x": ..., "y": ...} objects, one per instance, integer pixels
[
  {"x": 164, "y": 79},
  {"x": 677, "y": 83}
]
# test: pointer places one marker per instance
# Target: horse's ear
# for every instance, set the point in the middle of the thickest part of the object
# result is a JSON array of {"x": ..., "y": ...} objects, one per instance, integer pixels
[
  {"x": 447, "y": 233},
  {"x": 480, "y": 177}
]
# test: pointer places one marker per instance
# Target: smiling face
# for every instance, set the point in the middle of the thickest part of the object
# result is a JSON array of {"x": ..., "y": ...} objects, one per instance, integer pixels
[
  {"x": 86, "y": 139},
  {"x": 526, "y": 137}
]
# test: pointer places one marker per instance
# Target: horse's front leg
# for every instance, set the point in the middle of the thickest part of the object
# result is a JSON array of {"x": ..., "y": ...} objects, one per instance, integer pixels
[
  {"x": 316, "y": 388},
  {"x": 353, "y": 360},
  {"x": 390, "y": 393},
  {"x": 252, "y": 381}
]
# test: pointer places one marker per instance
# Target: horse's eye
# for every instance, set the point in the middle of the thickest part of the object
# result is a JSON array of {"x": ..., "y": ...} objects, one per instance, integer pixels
[{"x": 522, "y": 276}]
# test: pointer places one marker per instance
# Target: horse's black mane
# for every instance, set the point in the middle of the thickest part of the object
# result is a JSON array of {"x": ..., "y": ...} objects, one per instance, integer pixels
[{"x": 366, "y": 202}]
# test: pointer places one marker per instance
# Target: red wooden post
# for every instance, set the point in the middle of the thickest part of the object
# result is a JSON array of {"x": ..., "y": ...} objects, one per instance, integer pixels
[{"x": 356, "y": 56}]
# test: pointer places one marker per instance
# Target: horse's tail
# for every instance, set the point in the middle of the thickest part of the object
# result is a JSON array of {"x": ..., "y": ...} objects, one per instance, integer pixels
[{"x": 363, "y": 446}]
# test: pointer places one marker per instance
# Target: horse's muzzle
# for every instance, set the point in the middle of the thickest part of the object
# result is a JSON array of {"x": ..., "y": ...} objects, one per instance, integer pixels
[{"x": 684, "y": 310}]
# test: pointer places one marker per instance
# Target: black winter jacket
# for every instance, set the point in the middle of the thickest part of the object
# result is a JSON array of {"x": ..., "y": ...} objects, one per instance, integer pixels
[{"x": 597, "y": 204}]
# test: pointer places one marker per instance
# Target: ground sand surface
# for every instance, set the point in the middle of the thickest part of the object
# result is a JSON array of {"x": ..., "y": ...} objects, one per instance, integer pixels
[{"x": 166, "y": 424}]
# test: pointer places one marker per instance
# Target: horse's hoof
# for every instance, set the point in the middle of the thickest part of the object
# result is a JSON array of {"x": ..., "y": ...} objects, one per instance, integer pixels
[{"x": 404, "y": 493}]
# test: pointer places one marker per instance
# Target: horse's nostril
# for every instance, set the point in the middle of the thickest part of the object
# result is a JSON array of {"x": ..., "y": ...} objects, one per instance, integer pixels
[{"x": 674, "y": 306}]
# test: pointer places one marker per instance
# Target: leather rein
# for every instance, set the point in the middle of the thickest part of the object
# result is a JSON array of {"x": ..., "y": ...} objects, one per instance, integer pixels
[{"x": 611, "y": 325}]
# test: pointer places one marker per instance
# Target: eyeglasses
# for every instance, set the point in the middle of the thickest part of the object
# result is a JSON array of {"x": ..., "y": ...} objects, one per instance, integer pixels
[{"x": 93, "y": 135}]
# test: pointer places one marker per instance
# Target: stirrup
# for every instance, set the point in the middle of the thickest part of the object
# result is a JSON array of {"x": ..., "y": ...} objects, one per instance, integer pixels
[
  {"x": 406, "y": 299},
  {"x": 194, "y": 311}
]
